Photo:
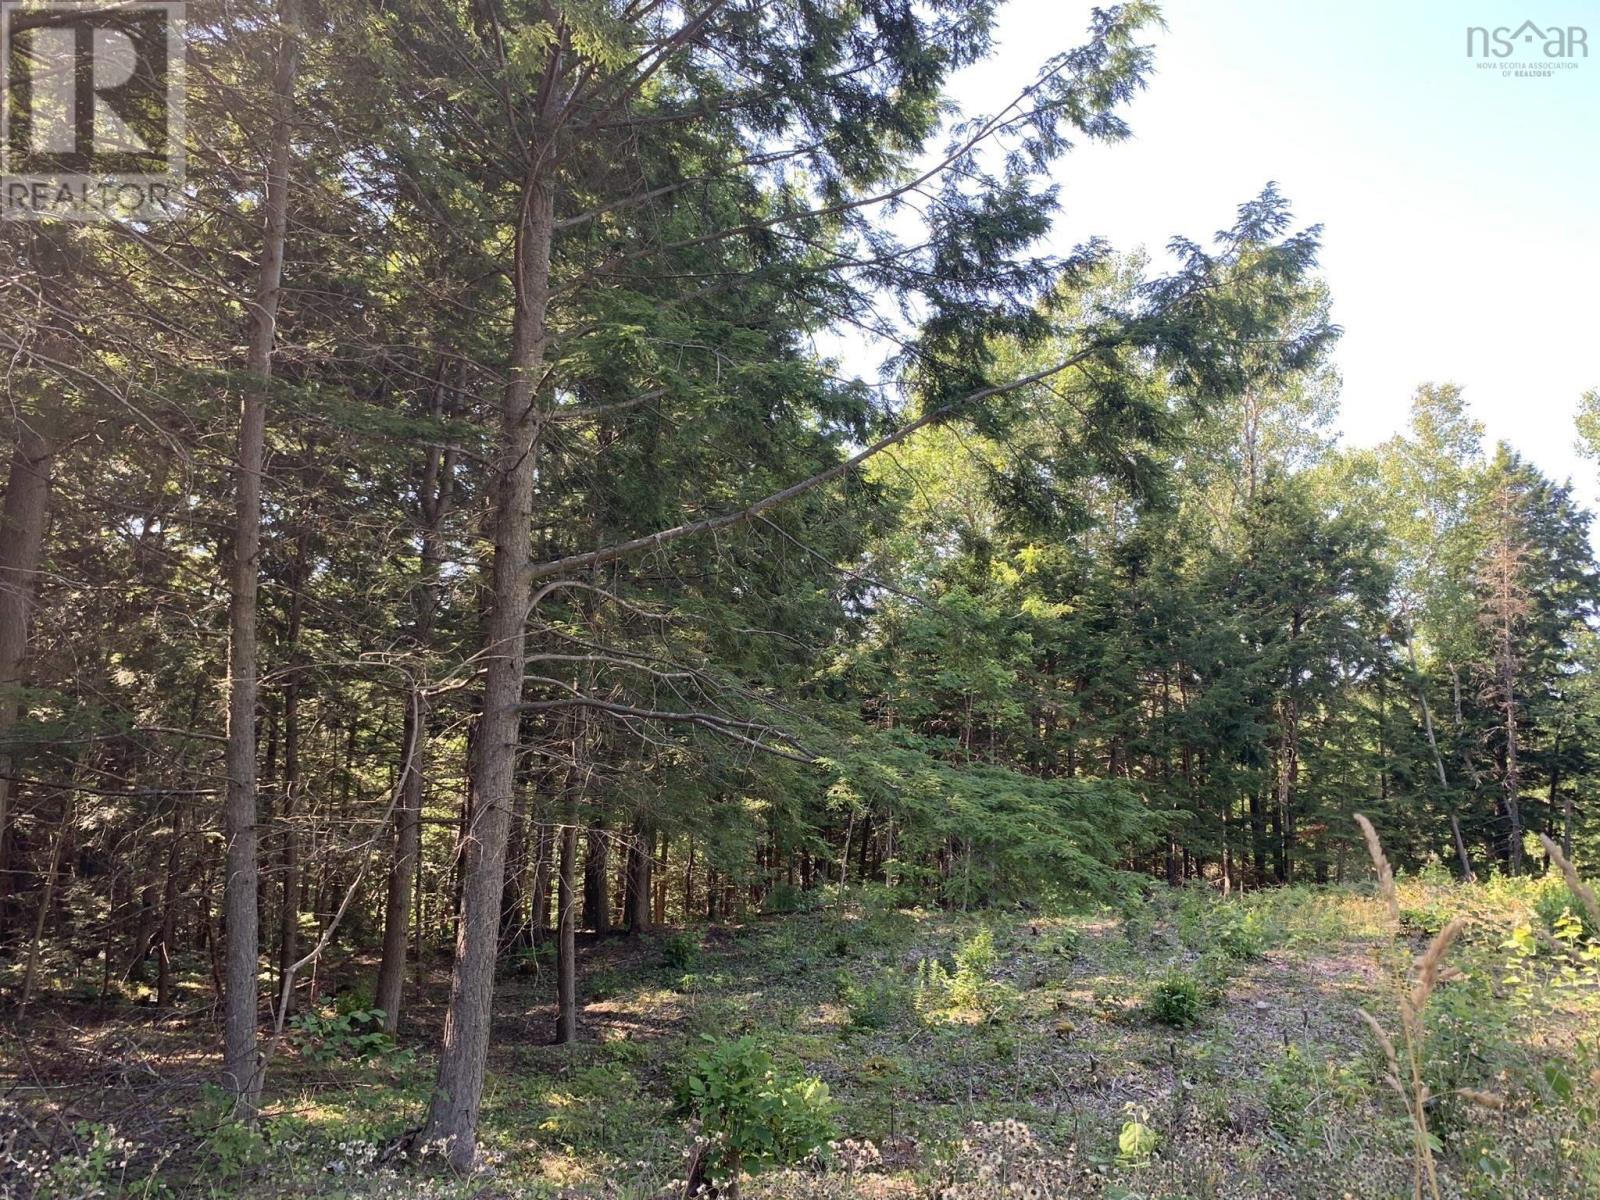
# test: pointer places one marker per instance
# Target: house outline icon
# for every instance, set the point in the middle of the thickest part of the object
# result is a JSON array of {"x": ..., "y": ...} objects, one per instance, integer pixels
[{"x": 1529, "y": 29}]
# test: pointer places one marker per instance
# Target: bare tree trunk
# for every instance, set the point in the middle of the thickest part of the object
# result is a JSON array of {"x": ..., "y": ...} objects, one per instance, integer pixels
[
  {"x": 453, "y": 1113},
  {"x": 22, "y": 526},
  {"x": 402, "y": 870},
  {"x": 289, "y": 909},
  {"x": 513, "y": 896},
  {"x": 241, "y": 1066},
  {"x": 596, "y": 884},
  {"x": 1513, "y": 777},
  {"x": 567, "y": 928},
  {"x": 661, "y": 877},
  {"x": 640, "y": 848},
  {"x": 539, "y": 915},
  {"x": 46, "y": 896},
  {"x": 1438, "y": 765},
  {"x": 436, "y": 493},
  {"x": 169, "y": 907}
]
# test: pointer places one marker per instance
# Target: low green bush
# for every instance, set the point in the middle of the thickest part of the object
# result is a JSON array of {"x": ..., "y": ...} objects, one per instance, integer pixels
[
  {"x": 680, "y": 951},
  {"x": 969, "y": 986},
  {"x": 874, "y": 1004},
  {"x": 753, "y": 1113},
  {"x": 353, "y": 1034},
  {"x": 1177, "y": 999}
]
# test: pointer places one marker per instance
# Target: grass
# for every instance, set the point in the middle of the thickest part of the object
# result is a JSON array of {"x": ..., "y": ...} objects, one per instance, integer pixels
[{"x": 963, "y": 1054}]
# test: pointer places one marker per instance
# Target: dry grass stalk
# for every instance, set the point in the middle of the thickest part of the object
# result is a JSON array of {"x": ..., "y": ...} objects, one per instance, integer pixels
[
  {"x": 1578, "y": 887},
  {"x": 1408, "y": 1083},
  {"x": 1381, "y": 862}
]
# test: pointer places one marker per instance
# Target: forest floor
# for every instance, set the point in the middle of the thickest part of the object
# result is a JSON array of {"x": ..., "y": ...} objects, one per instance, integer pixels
[{"x": 1178, "y": 1047}]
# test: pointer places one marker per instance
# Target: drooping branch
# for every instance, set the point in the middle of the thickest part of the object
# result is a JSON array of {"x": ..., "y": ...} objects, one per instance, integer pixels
[{"x": 665, "y": 537}]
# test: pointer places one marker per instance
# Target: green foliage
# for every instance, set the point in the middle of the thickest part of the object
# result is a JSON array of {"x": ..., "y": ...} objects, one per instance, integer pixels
[
  {"x": 970, "y": 988},
  {"x": 599, "y": 1107},
  {"x": 602, "y": 984},
  {"x": 1177, "y": 999},
  {"x": 680, "y": 950},
  {"x": 1226, "y": 928},
  {"x": 1305, "y": 1094},
  {"x": 1557, "y": 907},
  {"x": 1137, "y": 1141},
  {"x": 231, "y": 1146},
  {"x": 876, "y": 1003},
  {"x": 351, "y": 1033},
  {"x": 1064, "y": 942},
  {"x": 753, "y": 1113},
  {"x": 786, "y": 898},
  {"x": 531, "y": 960},
  {"x": 98, "y": 1167}
]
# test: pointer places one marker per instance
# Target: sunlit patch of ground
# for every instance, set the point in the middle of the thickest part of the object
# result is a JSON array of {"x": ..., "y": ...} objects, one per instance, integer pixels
[{"x": 1027, "y": 1076}]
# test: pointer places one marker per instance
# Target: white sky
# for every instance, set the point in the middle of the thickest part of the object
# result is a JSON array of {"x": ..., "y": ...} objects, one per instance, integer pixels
[{"x": 1461, "y": 209}]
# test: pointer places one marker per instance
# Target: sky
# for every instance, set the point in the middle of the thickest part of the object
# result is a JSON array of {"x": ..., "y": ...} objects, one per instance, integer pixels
[{"x": 1461, "y": 208}]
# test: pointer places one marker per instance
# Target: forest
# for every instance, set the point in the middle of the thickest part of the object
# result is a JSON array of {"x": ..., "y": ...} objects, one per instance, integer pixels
[{"x": 602, "y": 613}]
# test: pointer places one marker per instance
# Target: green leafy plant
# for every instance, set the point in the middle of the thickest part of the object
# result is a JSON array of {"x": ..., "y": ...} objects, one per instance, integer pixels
[
  {"x": 874, "y": 1004},
  {"x": 786, "y": 898},
  {"x": 752, "y": 1113},
  {"x": 99, "y": 1168},
  {"x": 232, "y": 1146},
  {"x": 1177, "y": 999},
  {"x": 970, "y": 987},
  {"x": 1137, "y": 1142},
  {"x": 530, "y": 960},
  {"x": 680, "y": 951},
  {"x": 356, "y": 1034},
  {"x": 602, "y": 985}
]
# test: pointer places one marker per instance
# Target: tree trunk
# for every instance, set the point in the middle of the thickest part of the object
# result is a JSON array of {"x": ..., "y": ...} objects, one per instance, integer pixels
[
  {"x": 1438, "y": 766},
  {"x": 567, "y": 930},
  {"x": 453, "y": 1114},
  {"x": 1512, "y": 772},
  {"x": 169, "y": 908},
  {"x": 46, "y": 896},
  {"x": 513, "y": 898},
  {"x": 639, "y": 855},
  {"x": 403, "y": 870},
  {"x": 539, "y": 914},
  {"x": 22, "y": 526},
  {"x": 289, "y": 909},
  {"x": 437, "y": 491},
  {"x": 241, "y": 1066},
  {"x": 596, "y": 883}
]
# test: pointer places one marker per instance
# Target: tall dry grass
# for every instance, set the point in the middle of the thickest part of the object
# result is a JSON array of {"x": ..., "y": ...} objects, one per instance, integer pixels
[{"x": 1405, "y": 1060}]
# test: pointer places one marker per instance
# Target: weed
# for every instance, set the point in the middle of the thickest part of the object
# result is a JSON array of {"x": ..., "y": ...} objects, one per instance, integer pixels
[
  {"x": 231, "y": 1145},
  {"x": 752, "y": 1114},
  {"x": 680, "y": 951},
  {"x": 1177, "y": 999},
  {"x": 353, "y": 1034},
  {"x": 1136, "y": 1144},
  {"x": 969, "y": 988},
  {"x": 875, "y": 1004},
  {"x": 786, "y": 898},
  {"x": 1407, "y": 1081}
]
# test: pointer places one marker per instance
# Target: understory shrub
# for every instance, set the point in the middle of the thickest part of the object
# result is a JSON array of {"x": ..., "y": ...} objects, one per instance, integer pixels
[
  {"x": 874, "y": 1004},
  {"x": 349, "y": 1033},
  {"x": 752, "y": 1113},
  {"x": 969, "y": 988},
  {"x": 680, "y": 951},
  {"x": 1177, "y": 999}
]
